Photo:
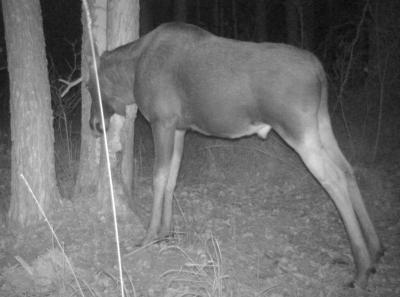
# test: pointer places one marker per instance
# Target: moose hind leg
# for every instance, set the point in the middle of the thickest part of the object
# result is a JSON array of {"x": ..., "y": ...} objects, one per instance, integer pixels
[
  {"x": 163, "y": 136},
  {"x": 331, "y": 146},
  {"x": 333, "y": 179},
  {"x": 374, "y": 244},
  {"x": 170, "y": 188}
]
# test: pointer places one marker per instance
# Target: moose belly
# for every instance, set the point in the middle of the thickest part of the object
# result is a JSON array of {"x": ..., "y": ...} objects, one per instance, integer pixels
[{"x": 234, "y": 130}]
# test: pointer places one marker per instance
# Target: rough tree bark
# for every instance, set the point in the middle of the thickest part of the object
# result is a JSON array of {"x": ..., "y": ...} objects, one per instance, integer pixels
[
  {"x": 114, "y": 23},
  {"x": 87, "y": 178},
  {"x": 146, "y": 16},
  {"x": 122, "y": 27},
  {"x": 32, "y": 152}
]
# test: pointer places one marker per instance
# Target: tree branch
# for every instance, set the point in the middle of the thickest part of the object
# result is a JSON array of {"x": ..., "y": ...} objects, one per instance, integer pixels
[{"x": 69, "y": 85}]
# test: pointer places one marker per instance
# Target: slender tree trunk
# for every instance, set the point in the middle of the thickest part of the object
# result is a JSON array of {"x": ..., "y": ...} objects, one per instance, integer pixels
[
  {"x": 373, "y": 43},
  {"x": 198, "y": 12},
  {"x": 221, "y": 30},
  {"x": 383, "y": 65},
  {"x": 307, "y": 21},
  {"x": 300, "y": 23},
  {"x": 216, "y": 8},
  {"x": 235, "y": 20},
  {"x": 329, "y": 22},
  {"x": 292, "y": 21},
  {"x": 180, "y": 10},
  {"x": 32, "y": 152},
  {"x": 87, "y": 178},
  {"x": 261, "y": 20}
]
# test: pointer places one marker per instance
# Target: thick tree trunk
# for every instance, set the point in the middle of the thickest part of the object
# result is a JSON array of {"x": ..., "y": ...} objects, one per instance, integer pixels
[
  {"x": 114, "y": 23},
  {"x": 32, "y": 152},
  {"x": 146, "y": 16},
  {"x": 122, "y": 22},
  {"x": 122, "y": 27},
  {"x": 87, "y": 178}
]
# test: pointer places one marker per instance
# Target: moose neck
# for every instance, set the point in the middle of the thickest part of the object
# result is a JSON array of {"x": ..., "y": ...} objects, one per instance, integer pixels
[{"x": 117, "y": 77}]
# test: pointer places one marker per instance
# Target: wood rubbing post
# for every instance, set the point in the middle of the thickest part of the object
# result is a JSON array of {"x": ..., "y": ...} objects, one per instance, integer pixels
[
  {"x": 122, "y": 27},
  {"x": 114, "y": 146},
  {"x": 88, "y": 177},
  {"x": 120, "y": 148}
]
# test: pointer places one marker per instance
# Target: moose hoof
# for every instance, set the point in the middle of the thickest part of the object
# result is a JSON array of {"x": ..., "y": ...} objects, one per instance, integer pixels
[
  {"x": 149, "y": 239},
  {"x": 378, "y": 254},
  {"x": 166, "y": 234},
  {"x": 356, "y": 284},
  {"x": 361, "y": 279}
]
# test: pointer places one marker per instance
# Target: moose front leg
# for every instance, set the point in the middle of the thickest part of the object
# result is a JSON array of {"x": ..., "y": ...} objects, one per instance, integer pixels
[
  {"x": 173, "y": 174},
  {"x": 163, "y": 135},
  {"x": 127, "y": 139}
]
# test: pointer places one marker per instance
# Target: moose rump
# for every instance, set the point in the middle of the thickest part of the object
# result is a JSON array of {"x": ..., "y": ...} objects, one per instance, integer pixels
[{"x": 184, "y": 78}]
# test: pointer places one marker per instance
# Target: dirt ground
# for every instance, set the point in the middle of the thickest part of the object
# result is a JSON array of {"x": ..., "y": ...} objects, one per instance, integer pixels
[{"x": 249, "y": 221}]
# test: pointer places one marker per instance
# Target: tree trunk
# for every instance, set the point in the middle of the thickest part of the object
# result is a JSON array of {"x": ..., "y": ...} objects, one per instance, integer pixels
[
  {"x": 146, "y": 16},
  {"x": 198, "y": 12},
  {"x": 122, "y": 27},
  {"x": 87, "y": 178},
  {"x": 122, "y": 22},
  {"x": 180, "y": 10},
  {"x": 32, "y": 152},
  {"x": 216, "y": 17},
  {"x": 329, "y": 22},
  {"x": 113, "y": 23},
  {"x": 307, "y": 21},
  {"x": 292, "y": 22},
  {"x": 235, "y": 34},
  {"x": 260, "y": 20},
  {"x": 375, "y": 28}
]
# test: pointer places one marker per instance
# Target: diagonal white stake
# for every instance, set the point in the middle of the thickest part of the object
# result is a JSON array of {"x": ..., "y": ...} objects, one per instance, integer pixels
[
  {"x": 90, "y": 34},
  {"x": 53, "y": 232}
]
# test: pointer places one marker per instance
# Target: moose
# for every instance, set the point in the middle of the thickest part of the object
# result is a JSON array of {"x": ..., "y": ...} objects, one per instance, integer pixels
[{"x": 184, "y": 78}]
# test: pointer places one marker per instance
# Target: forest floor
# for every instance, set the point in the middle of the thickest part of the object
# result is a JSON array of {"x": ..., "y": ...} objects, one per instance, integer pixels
[{"x": 250, "y": 221}]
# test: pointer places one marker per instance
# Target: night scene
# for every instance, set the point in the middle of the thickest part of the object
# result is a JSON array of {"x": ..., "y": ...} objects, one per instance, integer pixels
[{"x": 200, "y": 148}]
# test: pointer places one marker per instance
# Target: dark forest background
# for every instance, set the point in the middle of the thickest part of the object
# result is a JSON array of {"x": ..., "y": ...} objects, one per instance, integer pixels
[
  {"x": 256, "y": 196},
  {"x": 357, "y": 41}
]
